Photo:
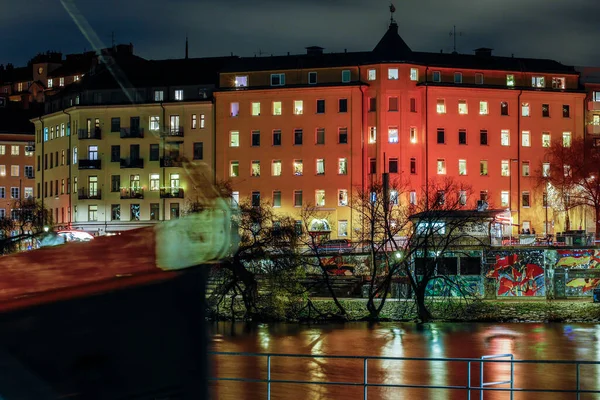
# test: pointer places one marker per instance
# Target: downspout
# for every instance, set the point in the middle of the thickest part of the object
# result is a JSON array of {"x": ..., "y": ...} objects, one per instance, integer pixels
[
  {"x": 162, "y": 141},
  {"x": 426, "y": 139},
  {"x": 518, "y": 160},
  {"x": 214, "y": 139},
  {"x": 69, "y": 164},
  {"x": 42, "y": 169}
]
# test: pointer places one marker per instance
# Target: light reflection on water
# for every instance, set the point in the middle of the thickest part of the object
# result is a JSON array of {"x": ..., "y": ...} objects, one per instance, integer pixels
[{"x": 525, "y": 341}]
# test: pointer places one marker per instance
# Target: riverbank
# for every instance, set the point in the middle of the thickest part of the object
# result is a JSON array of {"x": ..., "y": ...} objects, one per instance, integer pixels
[{"x": 447, "y": 310}]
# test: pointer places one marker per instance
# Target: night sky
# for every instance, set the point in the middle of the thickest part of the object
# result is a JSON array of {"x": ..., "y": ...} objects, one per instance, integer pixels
[{"x": 564, "y": 30}]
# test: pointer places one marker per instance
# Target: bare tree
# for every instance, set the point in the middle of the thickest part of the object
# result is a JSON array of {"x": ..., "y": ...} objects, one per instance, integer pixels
[{"x": 28, "y": 219}]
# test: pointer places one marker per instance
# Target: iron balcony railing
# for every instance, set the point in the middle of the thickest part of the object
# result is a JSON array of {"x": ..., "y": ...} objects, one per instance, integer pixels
[
  {"x": 170, "y": 162},
  {"x": 174, "y": 131},
  {"x": 94, "y": 133},
  {"x": 171, "y": 193},
  {"x": 89, "y": 164},
  {"x": 132, "y": 193},
  {"x": 132, "y": 133},
  {"x": 86, "y": 194},
  {"x": 132, "y": 163},
  {"x": 504, "y": 379}
]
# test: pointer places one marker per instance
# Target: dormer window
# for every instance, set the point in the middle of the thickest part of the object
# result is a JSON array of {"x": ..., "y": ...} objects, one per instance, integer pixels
[
  {"x": 312, "y": 78},
  {"x": 458, "y": 77},
  {"x": 437, "y": 76},
  {"x": 510, "y": 80},
  {"x": 179, "y": 94},
  {"x": 558, "y": 82},
  {"x": 538, "y": 82},
  {"x": 346, "y": 76},
  {"x": 49, "y": 83},
  {"x": 479, "y": 79},
  {"x": 277, "y": 79},
  {"x": 414, "y": 74},
  {"x": 241, "y": 81}
]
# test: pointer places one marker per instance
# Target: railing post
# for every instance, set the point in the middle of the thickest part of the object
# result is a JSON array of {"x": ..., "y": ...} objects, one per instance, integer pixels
[
  {"x": 268, "y": 377},
  {"x": 512, "y": 377},
  {"x": 481, "y": 379},
  {"x": 365, "y": 387},
  {"x": 469, "y": 380},
  {"x": 578, "y": 383}
]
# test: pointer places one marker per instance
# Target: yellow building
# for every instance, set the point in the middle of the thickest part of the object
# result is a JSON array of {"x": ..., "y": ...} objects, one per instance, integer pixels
[{"x": 110, "y": 159}]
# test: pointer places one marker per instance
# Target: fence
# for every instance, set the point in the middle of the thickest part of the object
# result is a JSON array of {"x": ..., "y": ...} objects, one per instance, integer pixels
[{"x": 469, "y": 389}]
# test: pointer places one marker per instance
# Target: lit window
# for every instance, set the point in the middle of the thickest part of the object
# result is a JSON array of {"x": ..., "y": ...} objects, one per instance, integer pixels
[
  {"x": 566, "y": 139},
  {"x": 525, "y": 168},
  {"x": 392, "y": 73},
  {"x": 76, "y": 78},
  {"x": 255, "y": 109},
  {"x": 504, "y": 137},
  {"x": 525, "y": 139},
  {"x": 437, "y": 76},
  {"x": 234, "y": 109},
  {"x": 276, "y": 108},
  {"x": 154, "y": 182},
  {"x": 298, "y": 107},
  {"x": 49, "y": 83},
  {"x": 343, "y": 166},
  {"x": 14, "y": 170},
  {"x": 413, "y": 134},
  {"x": 194, "y": 121},
  {"x": 545, "y": 139},
  {"x": 458, "y": 77},
  {"x": 371, "y": 74},
  {"x": 538, "y": 82},
  {"x": 372, "y": 134},
  {"x": 277, "y": 79},
  {"x": 504, "y": 199},
  {"x": 241, "y": 81},
  {"x": 179, "y": 94},
  {"x": 393, "y": 134},
  {"x": 525, "y": 109},
  {"x": 462, "y": 197},
  {"x": 159, "y": 95},
  {"x": 441, "y": 106},
  {"x": 14, "y": 150},
  {"x": 546, "y": 170},
  {"x": 414, "y": 74},
  {"x": 234, "y": 139},
  {"x": 462, "y": 107},
  {"x": 61, "y": 81},
  {"x": 462, "y": 167},
  {"x": 412, "y": 198},
  {"x": 154, "y": 123},
  {"x": 298, "y": 168},
  {"x": 567, "y": 169},
  {"x": 74, "y": 155},
  {"x": 596, "y": 119},
  {"x": 342, "y": 197},
  {"x": 276, "y": 199},
  {"x": 558, "y": 83},
  {"x": 202, "y": 121},
  {"x": 320, "y": 198},
  {"x": 510, "y": 80},
  {"x": 2, "y": 170},
  {"x": 483, "y": 108},
  {"x": 483, "y": 168},
  {"x": 394, "y": 198},
  {"x": 2, "y": 149},
  {"x": 504, "y": 168},
  {"x": 320, "y": 166},
  {"x": 234, "y": 169},
  {"x": 441, "y": 167},
  {"x": 276, "y": 168},
  {"x": 255, "y": 170}
]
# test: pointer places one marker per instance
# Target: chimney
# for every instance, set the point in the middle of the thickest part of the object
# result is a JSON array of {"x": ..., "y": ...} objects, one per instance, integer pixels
[
  {"x": 314, "y": 50},
  {"x": 483, "y": 52}
]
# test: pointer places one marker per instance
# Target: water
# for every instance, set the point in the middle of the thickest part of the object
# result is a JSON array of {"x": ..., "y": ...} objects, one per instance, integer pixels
[{"x": 535, "y": 341}]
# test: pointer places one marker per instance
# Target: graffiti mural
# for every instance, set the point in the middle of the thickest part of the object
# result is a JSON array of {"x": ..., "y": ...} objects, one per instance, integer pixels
[
  {"x": 519, "y": 273},
  {"x": 583, "y": 270},
  {"x": 470, "y": 285}
]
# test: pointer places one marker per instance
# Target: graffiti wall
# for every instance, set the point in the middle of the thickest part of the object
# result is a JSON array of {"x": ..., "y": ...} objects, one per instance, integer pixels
[
  {"x": 467, "y": 285},
  {"x": 518, "y": 273},
  {"x": 583, "y": 270}
]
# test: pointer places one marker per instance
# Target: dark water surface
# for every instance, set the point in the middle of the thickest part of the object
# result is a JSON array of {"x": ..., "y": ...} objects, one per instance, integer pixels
[{"x": 534, "y": 341}]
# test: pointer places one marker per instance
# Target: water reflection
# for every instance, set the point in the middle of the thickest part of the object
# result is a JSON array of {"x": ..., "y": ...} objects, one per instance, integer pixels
[{"x": 525, "y": 341}]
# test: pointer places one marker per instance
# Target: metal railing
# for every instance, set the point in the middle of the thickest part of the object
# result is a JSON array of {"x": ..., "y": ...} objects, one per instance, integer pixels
[{"x": 469, "y": 388}]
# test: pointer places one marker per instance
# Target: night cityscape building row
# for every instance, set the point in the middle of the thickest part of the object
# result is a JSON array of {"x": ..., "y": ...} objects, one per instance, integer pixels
[{"x": 301, "y": 129}]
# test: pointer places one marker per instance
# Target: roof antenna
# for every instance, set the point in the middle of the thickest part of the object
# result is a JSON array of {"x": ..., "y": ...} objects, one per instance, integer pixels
[
  {"x": 112, "y": 37},
  {"x": 392, "y": 11},
  {"x": 186, "y": 46},
  {"x": 454, "y": 34}
]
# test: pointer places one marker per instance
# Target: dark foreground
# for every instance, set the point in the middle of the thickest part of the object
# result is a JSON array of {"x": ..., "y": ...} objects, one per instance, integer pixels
[{"x": 132, "y": 342}]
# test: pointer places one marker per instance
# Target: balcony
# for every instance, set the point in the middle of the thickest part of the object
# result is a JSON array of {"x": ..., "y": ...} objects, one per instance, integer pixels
[
  {"x": 171, "y": 162},
  {"x": 132, "y": 193},
  {"x": 171, "y": 193},
  {"x": 132, "y": 163},
  {"x": 95, "y": 133},
  {"x": 130, "y": 133},
  {"x": 174, "y": 132},
  {"x": 594, "y": 129},
  {"x": 593, "y": 105},
  {"x": 90, "y": 164},
  {"x": 84, "y": 194}
]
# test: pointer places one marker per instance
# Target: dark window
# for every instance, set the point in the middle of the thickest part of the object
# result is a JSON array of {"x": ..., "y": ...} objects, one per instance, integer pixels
[
  {"x": 393, "y": 104},
  {"x": 298, "y": 227},
  {"x": 154, "y": 152},
  {"x": 68, "y": 156},
  {"x": 483, "y": 195},
  {"x": 312, "y": 78},
  {"x": 198, "y": 151},
  {"x": 154, "y": 211},
  {"x": 483, "y": 137},
  {"x": 38, "y": 163},
  {"x": 441, "y": 139},
  {"x": 372, "y": 104},
  {"x": 297, "y": 136},
  {"x": 343, "y": 135},
  {"x": 525, "y": 199},
  {"x": 115, "y": 153},
  {"x": 45, "y": 189},
  {"x": 413, "y": 166},
  {"x": 51, "y": 160},
  {"x": 174, "y": 210},
  {"x": 115, "y": 212},
  {"x": 470, "y": 266},
  {"x": 462, "y": 136},
  {"x": 447, "y": 266},
  {"x": 255, "y": 138},
  {"x": 566, "y": 111},
  {"x": 320, "y": 106},
  {"x": 45, "y": 161},
  {"x": 277, "y": 137},
  {"x": 372, "y": 166},
  {"x": 343, "y": 106},
  {"x": 115, "y": 183},
  {"x": 38, "y": 190},
  {"x": 504, "y": 108},
  {"x": 255, "y": 199},
  {"x": 545, "y": 110},
  {"x": 413, "y": 104},
  {"x": 115, "y": 124},
  {"x": 393, "y": 167},
  {"x": 298, "y": 198},
  {"x": 320, "y": 135}
]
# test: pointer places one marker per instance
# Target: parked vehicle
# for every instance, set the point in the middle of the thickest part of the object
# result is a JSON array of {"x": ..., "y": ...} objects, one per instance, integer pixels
[{"x": 336, "y": 246}]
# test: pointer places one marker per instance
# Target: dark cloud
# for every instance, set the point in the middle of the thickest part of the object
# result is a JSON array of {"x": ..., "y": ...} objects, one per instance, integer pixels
[{"x": 564, "y": 30}]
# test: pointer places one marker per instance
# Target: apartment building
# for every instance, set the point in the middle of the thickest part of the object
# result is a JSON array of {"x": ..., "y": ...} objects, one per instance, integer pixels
[
  {"x": 110, "y": 159},
  {"x": 17, "y": 177},
  {"x": 314, "y": 128}
]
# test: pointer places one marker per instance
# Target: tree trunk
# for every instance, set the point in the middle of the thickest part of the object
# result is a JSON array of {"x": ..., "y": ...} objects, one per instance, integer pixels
[
  {"x": 567, "y": 221},
  {"x": 422, "y": 311},
  {"x": 597, "y": 222}
]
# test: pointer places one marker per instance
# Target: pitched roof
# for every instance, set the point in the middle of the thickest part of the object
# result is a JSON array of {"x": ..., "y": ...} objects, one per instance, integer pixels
[{"x": 392, "y": 47}]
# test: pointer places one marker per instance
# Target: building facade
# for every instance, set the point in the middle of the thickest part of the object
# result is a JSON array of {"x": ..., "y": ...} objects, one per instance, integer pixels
[{"x": 17, "y": 177}]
